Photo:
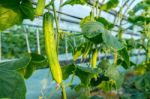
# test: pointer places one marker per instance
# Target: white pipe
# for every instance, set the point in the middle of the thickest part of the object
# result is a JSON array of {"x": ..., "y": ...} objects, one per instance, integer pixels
[
  {"x": 38, "y": 41},
  {"x": 27, "y": 41},
  {"x": 66, "y": 47}
]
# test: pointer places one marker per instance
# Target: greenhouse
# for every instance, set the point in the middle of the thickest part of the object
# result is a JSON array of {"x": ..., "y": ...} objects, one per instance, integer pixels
[{"x": 74, "y": 49}]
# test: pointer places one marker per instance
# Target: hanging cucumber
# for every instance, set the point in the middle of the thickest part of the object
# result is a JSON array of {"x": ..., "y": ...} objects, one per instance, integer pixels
[
  {"x": 87, "y": 50},
  {"x": 78, "y": 51},
  {"x": 40, "y": 7},
  {"x": 94, "y": 58},
  {"x": 51, "y": 47}
]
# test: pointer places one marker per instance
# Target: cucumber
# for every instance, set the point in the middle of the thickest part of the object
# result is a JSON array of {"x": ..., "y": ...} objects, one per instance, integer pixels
[
  {"x": 78, "y": 51},
  {"x": 40, "y": 7},
  {"x": 50, "y": 46},
  {"x": 87, "y": 50},
  {"x": 94, "y": 58}
]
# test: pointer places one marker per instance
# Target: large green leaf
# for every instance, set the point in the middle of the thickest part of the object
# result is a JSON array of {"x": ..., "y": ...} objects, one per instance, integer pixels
[
  {"x": 85, "y": 20},
  {"x": 106, "y": 85},
  {"x": 111, "y": 41},
  {"x": 27, "y": 9},
  {"x": 15, "y": 64},
  {"x": 143, "y": 5},
  {"x": 139, "y": 20},
  {"x": 106, "y": 23},
  {"x": 143, "y": 83},
  {"x": 9, "y": 3},
  {"x": 12, "y": 85},
  {"x": 104, "y": 64},
  {"x": 26, "y": 64},
  {"x": 38, "y": 60},
  {"x": 96, "y": 40},
  {"x": 68, "y": 70},
  {"x": 100, "y": 78},
  {"x": 29, "y": 71},
  {"x": 84, "y": 73},
  {"x": 9, "y": 17},
  {"x": 131, "y": 44},
  {"x": 92, "y": 29},
  {"x": 110, "y": 4},
  {"x": 13, "y": 12},
  {"x": 125, "y": 56},
  {"x": 95, "y": 29},
  {"x": 73, "y": 2},
  {"x": 124, "y": 64},
  {"x": 114, "y": 74}
]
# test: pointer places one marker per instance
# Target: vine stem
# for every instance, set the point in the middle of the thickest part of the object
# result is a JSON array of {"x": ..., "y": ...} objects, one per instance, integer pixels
[
  {"x": 60, "y": 9},
  {"x": 147, "y": 49},
  {"x": 64, "y": 95},
  {"x": 119, "y": 15},
  {"x": 57, "y": 26},
  {"x": 100, "y": 10},
  {"x": 0, "y": 46},
  {"x": 115, "y": 57},
  {"x": 148, "y": 52}
]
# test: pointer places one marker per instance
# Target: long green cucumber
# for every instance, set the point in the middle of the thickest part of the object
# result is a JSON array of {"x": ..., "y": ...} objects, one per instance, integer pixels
[
  {"x": 51, "y": 47},
  {"x": 40, "y": 7},
  {"x": 94, "y": 58}
]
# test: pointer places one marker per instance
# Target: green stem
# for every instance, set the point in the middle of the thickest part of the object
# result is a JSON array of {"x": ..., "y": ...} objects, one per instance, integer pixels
[
  {"x": 55, "y": 16},
  {"x": 50, "y": 3},
  {"x": 97, "y": 9},
  {"x": 92, "y": 11},
  {"x": 94, "y": 5},
  {"x": 146, "y": 30},
  {"x": 119, "y": 16},
  {"x": 64, "y": 95},
  {"x": 100, "y": 10},
  {"x": 73, "y": 75},
  {"x": 147, "y": 52},
  {"x": 115, "y": 57},
  {"x": 57, "y": 26},
  {"x": 120, "y": 34}
]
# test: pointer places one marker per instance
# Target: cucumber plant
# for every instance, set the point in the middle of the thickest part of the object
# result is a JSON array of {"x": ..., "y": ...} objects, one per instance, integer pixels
[{"x": 99, "y": 73}]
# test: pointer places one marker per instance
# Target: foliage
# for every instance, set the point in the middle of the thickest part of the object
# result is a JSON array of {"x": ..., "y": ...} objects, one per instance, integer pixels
[
  {"x": 94, "y": 29},
  {"x": 110, "y": 4},
  {"x": 14, "y": 42},
  {"x": 13, "y": 12},
  {"x": 12, "y": 84},
  {"x": 73, "y": 2},
  {"x": 137, "y": 87},
  {"x": 98, "y": 34},
  {"x": 13, "y": 74}
]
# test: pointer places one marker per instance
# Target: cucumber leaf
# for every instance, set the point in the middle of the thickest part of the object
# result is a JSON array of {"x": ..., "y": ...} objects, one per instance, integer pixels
[
  {"x": 12, "y": 85},
  {"x": 73, "y": 2},
  {"x": 110, "y": 4},
  {"x": 13, "y": 12},
  {"x": 92, "y": 29},
  {"x": 106, "y": 23},
  {"x": 111, "y": 41},
  {"x": 15, "y": 64}
]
